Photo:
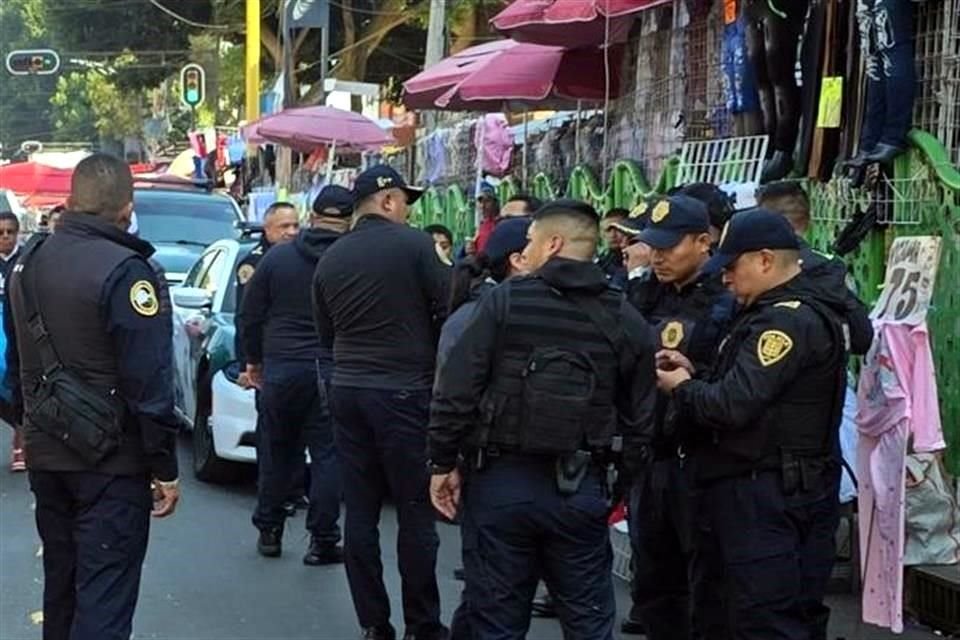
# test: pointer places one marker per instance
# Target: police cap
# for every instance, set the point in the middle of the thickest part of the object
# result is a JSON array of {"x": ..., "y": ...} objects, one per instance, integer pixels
[
  {"x": 672, "y": 218},
  {"x": 509, "y": 236},
  {"x": 334, "y": 201},
  {"x": 752, "y": 230},
  {"x": 379, "y": 178}
]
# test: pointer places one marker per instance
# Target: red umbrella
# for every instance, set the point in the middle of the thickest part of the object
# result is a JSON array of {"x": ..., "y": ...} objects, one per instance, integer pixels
[
  {"x": 484, "y": 77},
  {"x": 306, "y": 128},
  {"x": 36, "y": 182},
  {"x": 570, "y": 23}
]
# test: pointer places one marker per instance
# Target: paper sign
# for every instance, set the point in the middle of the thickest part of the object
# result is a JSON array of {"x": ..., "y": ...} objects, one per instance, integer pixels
[
  {"x": 831, "y": 103},
  {"x": 908, "y": 284},
  {"x": 729, "y": 11}
]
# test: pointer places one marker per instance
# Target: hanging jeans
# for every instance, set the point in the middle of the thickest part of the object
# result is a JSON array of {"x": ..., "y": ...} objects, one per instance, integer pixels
[{"x": 887, "y": 41}]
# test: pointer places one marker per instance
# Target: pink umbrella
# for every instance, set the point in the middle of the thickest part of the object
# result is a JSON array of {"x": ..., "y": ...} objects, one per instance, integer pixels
[
  {"x": 485, "y": 77},
  {"x": 306, "y": 128},
  {"x": 570, "y": 23}
]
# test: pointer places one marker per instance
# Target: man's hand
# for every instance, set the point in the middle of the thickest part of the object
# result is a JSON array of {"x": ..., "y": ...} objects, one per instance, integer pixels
[
  {"x": 670, "y": 380},
  {"x": 445, "y": 493},
  {"x": 244, "y": 380},
  {"x": 165, "y": 498},
  {"x": 254, "y": 376},
  {"x": 470, "y": 246},
  {"x": 669, "y": 359}
]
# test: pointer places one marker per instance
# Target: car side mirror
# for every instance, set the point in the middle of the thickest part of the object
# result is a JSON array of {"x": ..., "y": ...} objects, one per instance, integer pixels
[{"x": 192, "y": 298}]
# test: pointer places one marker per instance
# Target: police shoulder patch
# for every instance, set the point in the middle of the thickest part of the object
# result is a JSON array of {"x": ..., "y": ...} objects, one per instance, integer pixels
[
  {"x": 790, "y": 304},
  {"x": 773, "y": 346},
  {"x": 143, "y": 298},
  {"x": 244, "y": 273},
  {"x": 672, "y": 335}
]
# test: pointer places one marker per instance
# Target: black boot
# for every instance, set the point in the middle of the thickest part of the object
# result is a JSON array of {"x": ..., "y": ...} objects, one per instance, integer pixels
[
  {"x": 385, "y": 632},
  {"x": 777, "y": 167},
  {"x": 321, "y": 553},
  {"x": 268, "y": 545}
]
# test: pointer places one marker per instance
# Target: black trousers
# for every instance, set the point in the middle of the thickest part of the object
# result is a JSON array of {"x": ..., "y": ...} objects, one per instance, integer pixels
[
  {"x": 675, "y": 581},
  {"x": 94, "y": 529},
  {"x": 382, "y": 442}
]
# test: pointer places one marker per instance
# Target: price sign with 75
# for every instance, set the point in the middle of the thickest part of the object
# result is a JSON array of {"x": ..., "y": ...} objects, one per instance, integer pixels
[{"x": 908, "y": 284}]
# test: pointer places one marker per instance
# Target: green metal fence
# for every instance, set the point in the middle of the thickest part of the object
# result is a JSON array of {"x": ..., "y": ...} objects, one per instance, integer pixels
[{"x": 926, "y": 201}]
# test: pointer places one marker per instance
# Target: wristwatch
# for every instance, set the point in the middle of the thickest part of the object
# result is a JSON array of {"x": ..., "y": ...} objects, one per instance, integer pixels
[{"x": 439, "y": 469}]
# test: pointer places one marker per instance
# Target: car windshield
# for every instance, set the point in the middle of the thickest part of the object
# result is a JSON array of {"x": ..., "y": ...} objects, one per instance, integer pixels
[{"x": 185, "y": 218}]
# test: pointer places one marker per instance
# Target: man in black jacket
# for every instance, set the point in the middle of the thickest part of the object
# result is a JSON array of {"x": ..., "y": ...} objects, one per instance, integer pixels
[
  {"x": 380, "y": 291},
  {"x": 109, "y": 332},
  {"x": 766, "y": 422},
  {"x": 290, "y": 367},
  {"x": 552, "y": 372}
]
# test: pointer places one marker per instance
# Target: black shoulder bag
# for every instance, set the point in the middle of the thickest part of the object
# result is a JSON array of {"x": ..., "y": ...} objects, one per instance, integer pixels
[{"x": 89, "y": 421}]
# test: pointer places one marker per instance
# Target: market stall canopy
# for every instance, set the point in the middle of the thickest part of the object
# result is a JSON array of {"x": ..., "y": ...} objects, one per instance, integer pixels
[
  {"x": 37, "y": 184},
  {"x": 304, "y": 129},
  {"x": 570, "y": 23},
  {"x": 489, "y": 76}
]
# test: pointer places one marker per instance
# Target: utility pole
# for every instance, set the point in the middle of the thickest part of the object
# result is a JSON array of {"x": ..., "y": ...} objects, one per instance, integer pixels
[
  {"x": 252, "y": 61},
  {"x": 436, "y": 32}
]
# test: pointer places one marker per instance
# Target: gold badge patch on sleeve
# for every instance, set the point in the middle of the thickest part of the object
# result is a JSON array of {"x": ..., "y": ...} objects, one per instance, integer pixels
[
  {"x": 773, "y": 347},
  {"x": 244, "y": 273},
  {"x": 143, "y": 298},
  {"x": 672, "y": 335}
]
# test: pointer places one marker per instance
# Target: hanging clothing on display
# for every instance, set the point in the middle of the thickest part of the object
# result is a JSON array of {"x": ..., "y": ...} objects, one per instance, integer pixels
[
  {"x": 739, "y": 79},
  {"x": 897, "y": 399},
  {"x": 775, "y": 28},
  {"x": 886, "y": 38},
  {"x": 493, "y": 134}
]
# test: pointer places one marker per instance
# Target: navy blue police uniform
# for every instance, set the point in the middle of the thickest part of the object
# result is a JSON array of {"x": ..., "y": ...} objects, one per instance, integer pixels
[
  {"x": 280, "y": 335},
  {"x": 552, "y": 372},
  {"x": 380, "y": 291},
  {"x": 245, "y": 270},
  {"x": 767, "y": 420},
  {"x": 108, "y": 328},
  {"x": 690, "y": 318}
]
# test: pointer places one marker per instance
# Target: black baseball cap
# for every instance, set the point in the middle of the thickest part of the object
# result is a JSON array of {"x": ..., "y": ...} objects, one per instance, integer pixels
[
  {"x": 671, "y": 218},
  {"x": 336, "y": 198},
  {"x": 379, "y": 178},
  {"x": 752, "y": 230}
]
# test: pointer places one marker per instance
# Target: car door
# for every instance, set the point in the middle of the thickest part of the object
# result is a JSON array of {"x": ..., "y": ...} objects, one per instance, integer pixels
[{"x": 192, "y": 327}]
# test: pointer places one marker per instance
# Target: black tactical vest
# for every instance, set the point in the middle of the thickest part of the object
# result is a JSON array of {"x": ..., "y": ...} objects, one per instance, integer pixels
[
  {"x": 805, "y": 420},
  {"x": 71, "y": 269},
  {"x": 538, "y": 321}
]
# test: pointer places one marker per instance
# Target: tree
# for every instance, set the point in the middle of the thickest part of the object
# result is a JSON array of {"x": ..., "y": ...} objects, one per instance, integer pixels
[
  {"x": 89, "y": 105},
  {"x": 24, "y": 109}
]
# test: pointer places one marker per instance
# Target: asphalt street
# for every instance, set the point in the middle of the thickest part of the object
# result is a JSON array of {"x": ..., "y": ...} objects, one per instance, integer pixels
[{"x": 203, "y": 579}]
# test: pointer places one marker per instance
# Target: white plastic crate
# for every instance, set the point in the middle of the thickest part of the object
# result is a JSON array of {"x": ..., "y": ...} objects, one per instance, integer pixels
[{"x": 622, "y": 555}]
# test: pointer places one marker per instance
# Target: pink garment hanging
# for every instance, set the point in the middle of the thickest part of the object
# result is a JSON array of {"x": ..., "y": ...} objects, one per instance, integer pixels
[
  {"x": 497, "y": 142},
  {"x": 897, "y": 398}
]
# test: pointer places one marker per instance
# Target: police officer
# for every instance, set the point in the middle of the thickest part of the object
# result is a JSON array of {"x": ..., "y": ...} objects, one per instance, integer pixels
[
  {"x": 767, "y": 417},
  {"x": 112, "y": 340},
  {"x": 280, "y": 225},
  {"x": 380, "y": 291},
  {"x": 285, "y": 362},
  {"x": 559, "y": 369},
  {"x": 689, "y": 310},
  {"x": 788, "y": 198}
]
